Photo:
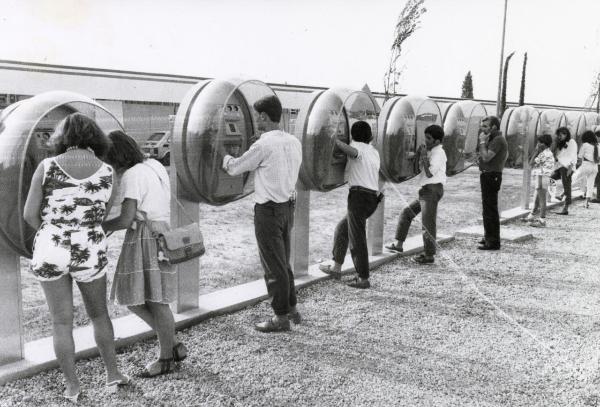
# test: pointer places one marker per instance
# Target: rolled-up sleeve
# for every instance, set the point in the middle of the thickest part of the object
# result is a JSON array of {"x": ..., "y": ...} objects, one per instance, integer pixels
[{"x": 249, "y": 161}]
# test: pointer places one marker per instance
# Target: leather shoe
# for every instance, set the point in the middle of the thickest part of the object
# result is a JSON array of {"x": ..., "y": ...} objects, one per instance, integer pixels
[
  {"x": 482, "y": 241},
  {"x": 273, "y": 325},
  {"x": 423, "y": 259},
  {"x": 488, "y": 247},
  {"x": 360, "y": 283},
  {"x": 563, "y": 212},
  {"x": 595, "y": 200},
  {"x": 295, "y": 317}
]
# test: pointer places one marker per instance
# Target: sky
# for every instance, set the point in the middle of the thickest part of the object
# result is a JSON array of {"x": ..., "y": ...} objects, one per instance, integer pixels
[{"x": 319, "y": 42}]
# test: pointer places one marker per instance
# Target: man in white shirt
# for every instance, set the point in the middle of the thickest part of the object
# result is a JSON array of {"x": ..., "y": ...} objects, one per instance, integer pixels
[
  {"x": 432, "y": 179},
  {"x": 566, "y": 157},
  {"x": 362, "y": 174},
  {"x": 276, "y": 159}
]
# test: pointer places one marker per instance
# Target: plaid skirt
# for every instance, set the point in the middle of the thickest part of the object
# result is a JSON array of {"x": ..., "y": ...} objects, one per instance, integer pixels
[{"x": 139, "y": 276}]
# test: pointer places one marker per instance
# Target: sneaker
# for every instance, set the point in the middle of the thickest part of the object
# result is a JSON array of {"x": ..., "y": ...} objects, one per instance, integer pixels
[
  {"x": 529, "y": 218},
  {"x": 538, "y": 223},
  {"x": 360, "y": 283},
  {"x": 273, "y": 325},
  {"x": 423, "y": 259}
]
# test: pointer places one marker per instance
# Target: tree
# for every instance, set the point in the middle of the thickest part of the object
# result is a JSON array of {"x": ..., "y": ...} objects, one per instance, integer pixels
[
  {"x": 504, "y": 75},
  {"x": 407, "y": 24},
  {"x": 522, "y": 92},
  {"x": 467, "y": 87}
]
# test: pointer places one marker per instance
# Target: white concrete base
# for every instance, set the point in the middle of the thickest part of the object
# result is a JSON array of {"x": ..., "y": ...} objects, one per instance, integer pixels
[
  {"x": 509, "y": 235},
  {"x": 39, "y": 354},
  {"x": 516, "y": 213}
]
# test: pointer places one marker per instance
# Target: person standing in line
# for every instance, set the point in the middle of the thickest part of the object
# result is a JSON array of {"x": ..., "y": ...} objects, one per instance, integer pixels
[
  {"x": 566, "y": 157},
  {"x": 586, "y": 173},
  {"x": 493, "y": 151},
  {"x": 68, "y": 199},
  {"x": 542, "y": 164},
  {"x": 362, "y": 174},
  {"x": 597, "y": 180},
  {"x": 432, "y": 179},
  {"x": 276, "y": 157},
  {"x": 143, "y": 283}
]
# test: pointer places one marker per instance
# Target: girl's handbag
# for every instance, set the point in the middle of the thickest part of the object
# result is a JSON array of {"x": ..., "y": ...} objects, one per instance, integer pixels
[{"x": 181, "y": 244}]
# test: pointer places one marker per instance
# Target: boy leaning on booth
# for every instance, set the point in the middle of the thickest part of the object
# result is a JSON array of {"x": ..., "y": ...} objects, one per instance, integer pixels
[
  {"x": 542, "y": 166},
  {"x": 362, "y": 174},
  {"x": 275, "y": 157},
  {"x": 432, "y": 179}
]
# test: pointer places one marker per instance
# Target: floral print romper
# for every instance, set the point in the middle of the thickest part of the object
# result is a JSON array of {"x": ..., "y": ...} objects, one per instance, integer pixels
[{"x": 70, "y": 238}]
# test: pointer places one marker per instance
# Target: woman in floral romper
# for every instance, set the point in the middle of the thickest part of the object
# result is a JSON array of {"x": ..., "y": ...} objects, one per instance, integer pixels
[{"x": 67, "y": 202}]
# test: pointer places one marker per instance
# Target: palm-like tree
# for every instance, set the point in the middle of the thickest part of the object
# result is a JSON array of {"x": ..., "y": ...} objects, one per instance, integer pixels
[
  {"x": 56, "y": 239},
  {"x": 102, "y": 260},
  {"x": 91, "y": 187},
  {"x": 105, "y": 181},
  {"x": 95, "y": 236},
  {"x": 55, "y": 172},
  {"x": 47, "y": 270},
  {"x": 93, "y": 216},
  {"x": 83, "y": 201},
  {"x": 68, "y": 209},
  {"x": 79, "y": 256}
]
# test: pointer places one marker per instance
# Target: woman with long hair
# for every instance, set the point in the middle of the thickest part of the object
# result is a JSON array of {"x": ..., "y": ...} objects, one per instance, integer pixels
[
  {"x": 142, "y": 282},
  {"x": 566, "y": 157},
  {"x": 67, "y": 202},
  {"x": 586, "y": 173}
]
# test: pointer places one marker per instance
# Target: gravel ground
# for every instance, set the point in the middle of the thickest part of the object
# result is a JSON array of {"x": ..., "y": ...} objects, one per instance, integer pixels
[{"x": 518, "y": 327}]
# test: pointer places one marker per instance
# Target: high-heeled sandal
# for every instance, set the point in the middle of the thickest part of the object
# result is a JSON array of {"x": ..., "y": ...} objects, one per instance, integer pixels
[
  {"x": 180, "y": 352},
  {"x": 167, "y": 365}
]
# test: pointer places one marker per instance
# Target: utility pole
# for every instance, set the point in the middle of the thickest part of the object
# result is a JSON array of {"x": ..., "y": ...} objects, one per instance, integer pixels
[{"x": 501, "y": 62}]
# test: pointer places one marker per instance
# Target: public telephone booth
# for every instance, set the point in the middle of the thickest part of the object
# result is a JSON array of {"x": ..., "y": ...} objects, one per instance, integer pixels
[
  {"x": 520, "y": 133},
  {"x": 215, "y": 118},
  {"x": 461, "y": 131},
  {"x": 25, "y": 128},
  {"x": 402, "y": 125},
  {"x": 591, "y": 120},
  {"x": 575, "y": 122},
  {"x": 549, "y": 121},
  {"x": 328, "y": 115}
]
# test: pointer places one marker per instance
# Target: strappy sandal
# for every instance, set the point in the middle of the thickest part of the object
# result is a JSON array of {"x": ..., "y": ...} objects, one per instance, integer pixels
[
  {"x": 167, "y": 365},
  {"x": 180, "y": 352}
]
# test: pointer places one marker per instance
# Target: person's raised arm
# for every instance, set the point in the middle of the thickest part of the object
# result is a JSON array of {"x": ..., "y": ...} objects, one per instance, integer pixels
[
  {"x": 485, "y": 154},
  {"x": 249, "y": 161},
  {"x": 346, "y": 148},
  {"x": 33, "y": 204}
]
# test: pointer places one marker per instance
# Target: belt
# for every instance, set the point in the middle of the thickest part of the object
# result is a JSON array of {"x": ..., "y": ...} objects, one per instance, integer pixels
[
  {"x": 363, "y": 189},
  {"x": 490, "y": 172},
  {"x": 291, "y": 201}
]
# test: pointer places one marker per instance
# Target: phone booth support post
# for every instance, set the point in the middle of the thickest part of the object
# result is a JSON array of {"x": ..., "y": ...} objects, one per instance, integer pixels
[
  {"x": 11, "y": 329},
  {"x": 300, "y": 238},
  {"x": 526, "y": 177},
  {"x": 188, "y": 277}
]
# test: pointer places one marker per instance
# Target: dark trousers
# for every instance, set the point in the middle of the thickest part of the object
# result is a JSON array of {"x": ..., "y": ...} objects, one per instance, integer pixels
[
  {"x": 429, "y": 196},
  {"x": 351, "y": 230},
  {"x": 273, "y": 226},
  {"x": 490, "y": 185},
  {"x": 566, "y": 181}
]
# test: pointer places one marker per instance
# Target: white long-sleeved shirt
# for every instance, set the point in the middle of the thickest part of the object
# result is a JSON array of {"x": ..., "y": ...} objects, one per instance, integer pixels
[
  {"x": 567, "y": 157},
  {"x": 276, "y": 159},
  {"x": 586, "y": 152},
  {"x": 437, "y": 167}
]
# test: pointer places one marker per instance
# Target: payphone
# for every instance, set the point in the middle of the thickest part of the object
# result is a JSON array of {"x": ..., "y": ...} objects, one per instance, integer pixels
[
  {"x": 461, "y": 131},
  {"x": 520, "y": 131},
  {"x": 591, "y": 120},
  {"x": 549, "y": 121},
  {"x": 24, "y": 132},
  {"x": 327, "y": 115},
  {"x": 216, "y": 117},
  {"x": 575, "y": 122},
  {"x": 402, "y": 125}
]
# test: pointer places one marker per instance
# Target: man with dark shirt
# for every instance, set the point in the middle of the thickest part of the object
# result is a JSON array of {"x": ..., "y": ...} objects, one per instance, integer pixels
[{"x": 493, "y": 152}]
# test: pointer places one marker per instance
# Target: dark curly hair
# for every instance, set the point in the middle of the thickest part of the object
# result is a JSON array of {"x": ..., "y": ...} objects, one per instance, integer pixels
[
  {"x": 560, "y": 144},
  {"x": 79, "y": 130},
  {"x": 124, "y": 152}
]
